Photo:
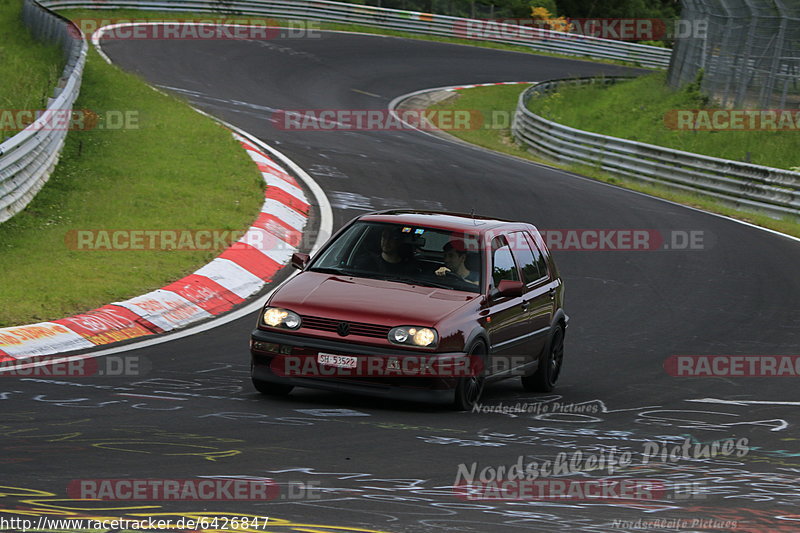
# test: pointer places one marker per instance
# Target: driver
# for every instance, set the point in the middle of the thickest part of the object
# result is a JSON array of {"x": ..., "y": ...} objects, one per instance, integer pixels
[
  {"x": 395, "y": 258},
  {"x": 455, "y": 257}
]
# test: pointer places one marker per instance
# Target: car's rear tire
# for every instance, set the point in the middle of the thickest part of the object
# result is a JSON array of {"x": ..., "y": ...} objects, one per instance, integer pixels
[
  {"x": 469, "y": 389},
  {"x": 272, "y": 389},
  {"x": 545, "y": 377}
]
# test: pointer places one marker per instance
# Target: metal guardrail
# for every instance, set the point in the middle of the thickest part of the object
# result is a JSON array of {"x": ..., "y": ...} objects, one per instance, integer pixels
[
  {"x": 27, "y": 159},
  {"x": 771, "y": 190},
  {"x": 394, "y": 19}
]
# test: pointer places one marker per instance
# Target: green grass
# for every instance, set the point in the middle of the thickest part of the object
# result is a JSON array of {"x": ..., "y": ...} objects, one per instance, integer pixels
[
  {"x": 636, "y": 110},
  {"x": 496, "y": 107},
  {"x": 29, "y": 69},
  {"x": 178, "y": 170},
  {"x": 497, "y": 136}
]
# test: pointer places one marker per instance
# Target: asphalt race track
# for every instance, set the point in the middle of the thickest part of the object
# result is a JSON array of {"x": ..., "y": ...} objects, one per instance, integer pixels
[{"x": 345, "y": 463}]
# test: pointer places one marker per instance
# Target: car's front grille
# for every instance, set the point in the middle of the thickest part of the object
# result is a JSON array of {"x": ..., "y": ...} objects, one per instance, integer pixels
[{"x": 356, "y": 328}]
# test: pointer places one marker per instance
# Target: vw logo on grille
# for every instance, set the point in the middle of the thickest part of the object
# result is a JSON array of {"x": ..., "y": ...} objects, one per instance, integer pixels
[{"x": 343, "y": 329}]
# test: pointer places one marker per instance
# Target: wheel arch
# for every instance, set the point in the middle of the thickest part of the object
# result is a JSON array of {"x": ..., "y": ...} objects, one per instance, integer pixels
[{"x": 477, "y": 334}]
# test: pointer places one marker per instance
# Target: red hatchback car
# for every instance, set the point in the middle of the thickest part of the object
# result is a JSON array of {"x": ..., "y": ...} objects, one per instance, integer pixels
[{"x": 416, "y": 305}]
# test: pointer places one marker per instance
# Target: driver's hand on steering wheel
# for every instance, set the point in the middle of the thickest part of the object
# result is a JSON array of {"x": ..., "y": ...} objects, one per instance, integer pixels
[{"x": 442, "y": 271}]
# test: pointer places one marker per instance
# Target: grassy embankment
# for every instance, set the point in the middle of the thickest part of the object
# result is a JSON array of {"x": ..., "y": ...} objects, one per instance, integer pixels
[
  {"x": 167, "y": 168},
  {"x": 28, "y": 69}
]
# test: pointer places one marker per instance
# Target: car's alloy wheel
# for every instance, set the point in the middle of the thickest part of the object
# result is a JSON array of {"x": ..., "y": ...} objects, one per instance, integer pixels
[
  {"x": 545, "y": 377},
  {"x": 469, "y": 389}
]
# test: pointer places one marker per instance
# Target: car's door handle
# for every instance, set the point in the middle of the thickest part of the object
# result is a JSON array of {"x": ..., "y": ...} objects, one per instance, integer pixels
[
  {"x": 525, "y": 305},
  {"x": 552, "y": 294}
]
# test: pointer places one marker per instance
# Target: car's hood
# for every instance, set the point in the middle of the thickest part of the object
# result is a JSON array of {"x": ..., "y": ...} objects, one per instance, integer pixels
[{"x": 368, "y": 300}]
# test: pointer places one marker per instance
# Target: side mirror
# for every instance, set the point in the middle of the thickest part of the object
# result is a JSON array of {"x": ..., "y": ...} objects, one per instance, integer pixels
[
  {"x": 509, "y": 288},
  {"x": 299, "y": 261}
]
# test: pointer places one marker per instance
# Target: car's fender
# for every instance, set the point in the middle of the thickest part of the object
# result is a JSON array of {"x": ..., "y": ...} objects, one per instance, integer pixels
[
  {"x": 477, "y": 333},
  {"x": 559, "y": 317}
]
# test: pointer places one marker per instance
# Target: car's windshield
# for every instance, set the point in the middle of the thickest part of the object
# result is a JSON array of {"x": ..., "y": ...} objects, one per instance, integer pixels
[{"x": 409, "y": 254}]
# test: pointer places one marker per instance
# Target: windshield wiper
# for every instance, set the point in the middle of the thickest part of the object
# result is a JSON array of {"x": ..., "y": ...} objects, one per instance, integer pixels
[
  {"x": 331, "y": 270},
  {"x": 416, "y": 281}
]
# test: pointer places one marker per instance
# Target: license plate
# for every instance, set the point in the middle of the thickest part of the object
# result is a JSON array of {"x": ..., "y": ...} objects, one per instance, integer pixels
[{"x": 339, "y": 361}]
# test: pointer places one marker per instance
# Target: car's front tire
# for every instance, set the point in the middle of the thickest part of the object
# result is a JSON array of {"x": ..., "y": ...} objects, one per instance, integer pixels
[
  {"x": 469, "y": 389},
  {"x": 545, "y": 377}
]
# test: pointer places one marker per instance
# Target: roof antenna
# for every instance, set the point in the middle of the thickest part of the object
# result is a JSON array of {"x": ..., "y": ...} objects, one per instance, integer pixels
[{"x": 472, "y": 214}]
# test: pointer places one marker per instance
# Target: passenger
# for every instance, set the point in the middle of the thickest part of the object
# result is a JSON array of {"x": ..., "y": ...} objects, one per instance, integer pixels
[{"x": 455, "y": 258}]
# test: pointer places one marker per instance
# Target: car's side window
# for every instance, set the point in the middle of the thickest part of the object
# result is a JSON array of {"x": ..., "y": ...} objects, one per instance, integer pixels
[
  {"x": 503, "y": 266},
  {"x": 528, "y": 258},
  {"x": 541, "y": 260}
]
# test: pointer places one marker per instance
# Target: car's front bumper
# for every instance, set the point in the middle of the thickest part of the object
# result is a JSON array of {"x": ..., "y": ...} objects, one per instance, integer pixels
[{"x": 265, "y": 346}]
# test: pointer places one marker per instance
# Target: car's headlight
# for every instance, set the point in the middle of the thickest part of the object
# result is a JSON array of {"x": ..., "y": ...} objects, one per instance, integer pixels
[
  {"x": 414, "y": 335},
  {"x": 281, "y": 318}
]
